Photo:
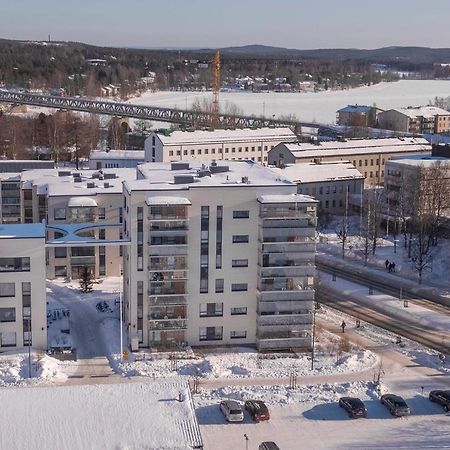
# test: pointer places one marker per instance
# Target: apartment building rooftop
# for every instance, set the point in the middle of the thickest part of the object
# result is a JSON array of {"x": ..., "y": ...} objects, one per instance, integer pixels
[
  {"x": 422, "y": 111},
  {"x": 58, "y": 182},
  {"x": 186, "y": 175},
  {"x": 421, "y": 161},
  {"x": 22, "y": 231},
  {"x": 202, "y": 137},
  {"x": 357, "y": 146},
  {"x": 117, "y": 154},
  {"x": 319, "y": 172}
]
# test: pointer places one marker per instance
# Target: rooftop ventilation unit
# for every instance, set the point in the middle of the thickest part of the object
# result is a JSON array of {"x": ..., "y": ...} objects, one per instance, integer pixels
[
  {"x": 245, "y": 180},
  {"x": 109, "y": 176},
  {"x": 90, "y": 184},
  {"x": 179, "y": 166},
  {"x": 64, "y": 173},
  {"x": 203, "y": 173},
  {"x": 77, "y": 180},
  {"x": 183, "y": 179},
  {"x": 218, "y": 169},
  {"x": 106, "y": 185}
]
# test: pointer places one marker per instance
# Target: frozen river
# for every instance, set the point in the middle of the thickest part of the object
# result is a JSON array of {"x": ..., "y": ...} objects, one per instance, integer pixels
[{"x": 320, "y": 106}]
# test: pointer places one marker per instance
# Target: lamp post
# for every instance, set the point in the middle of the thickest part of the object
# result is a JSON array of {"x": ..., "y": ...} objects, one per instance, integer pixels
[
  {"x": 121, "y": 325},
  {"x": 29, "y": 347},
  {"x": 313, "y": 337},
  {"x": 246, "y": 441}
]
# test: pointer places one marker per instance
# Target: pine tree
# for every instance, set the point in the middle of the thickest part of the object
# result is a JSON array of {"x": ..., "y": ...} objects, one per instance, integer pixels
[{"x": 86, "y": 280}]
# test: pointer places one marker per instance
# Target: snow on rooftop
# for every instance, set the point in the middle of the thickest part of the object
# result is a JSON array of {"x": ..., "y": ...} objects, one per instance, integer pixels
[
  {"x": 422, "y": 111},
  {"x": 357, "y": 108},
  {"x": 288, "y": 198},
  {"x": 81, "y": 202},
  {"x": 108, "y": 416},
  {"x": 421, "y": 161},
  {"x": 324, "y": 171},
  {"x": 154, "y": 176},
  {"x": 166, "y": 200},
  {"x": 241, "y": 135},
  {"x": 22, "y": 231},
  {"x": 358, "y": 146}
]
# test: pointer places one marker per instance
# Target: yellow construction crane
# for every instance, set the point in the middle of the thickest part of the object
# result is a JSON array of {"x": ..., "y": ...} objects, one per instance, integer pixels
[{"x": 215, "y": 81}]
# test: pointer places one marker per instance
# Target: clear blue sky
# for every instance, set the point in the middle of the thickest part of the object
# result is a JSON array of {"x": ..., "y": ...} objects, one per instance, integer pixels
[{"x": 200, "y": 23}]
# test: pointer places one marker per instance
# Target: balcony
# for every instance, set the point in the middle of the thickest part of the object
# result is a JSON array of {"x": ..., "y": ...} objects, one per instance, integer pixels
[
  {"x": 266, "y": 322},
  {"x": 283, "y": 344},
  {"x": 166, "y": 300},
  {"x": 168, "y": 276},
  {"x": 166, "y": 225},
  {"x": 167, "y": 324},
  {"x": 286, "y": 247},
  {"x": 301, "y": 222},
  {"x": 168, "y": 250},
  {"x": 285, "y": 306},
  {"x": 287, "y": 271},
  {"x": 281, "y": 296}
]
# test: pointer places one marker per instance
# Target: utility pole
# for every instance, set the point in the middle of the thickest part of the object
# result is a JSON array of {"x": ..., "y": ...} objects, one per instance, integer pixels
[
  {"x": 29, "y": 346},
  {"x": 121, "y": 325},
  {"x": 313, "y": 336}
]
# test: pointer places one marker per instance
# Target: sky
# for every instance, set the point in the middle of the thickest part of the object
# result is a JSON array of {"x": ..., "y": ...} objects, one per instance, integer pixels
[{"x": 214, "y": 24}]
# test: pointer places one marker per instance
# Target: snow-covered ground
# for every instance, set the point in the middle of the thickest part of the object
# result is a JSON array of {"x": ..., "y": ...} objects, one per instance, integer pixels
[{"x": 436, "y": 273}]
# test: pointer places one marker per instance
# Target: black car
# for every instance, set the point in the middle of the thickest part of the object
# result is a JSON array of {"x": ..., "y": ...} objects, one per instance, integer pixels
[
  {"x": 354, "y": 407},
  {"x": 268, "y": 445},
  {"x": 442, "y": 398},
  {"x": 258, "y": 410},
  {"x": 396, "y": 405}
]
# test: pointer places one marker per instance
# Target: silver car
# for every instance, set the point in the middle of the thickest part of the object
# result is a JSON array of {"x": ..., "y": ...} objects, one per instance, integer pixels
[
  {"x": 396, "y": 405},
  {"x": 232, "y": 411}
]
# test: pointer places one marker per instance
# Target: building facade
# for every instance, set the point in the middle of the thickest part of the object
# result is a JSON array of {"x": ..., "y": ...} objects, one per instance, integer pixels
[
  {"x": 358, "y": 116},
  {"x": 23, "y": 311},
  {"x": 244, "y": 144},
  {"x": 115, "y": 159},
  {"x": 219, "y": 255},
  {"x": 367, "y": 155}
]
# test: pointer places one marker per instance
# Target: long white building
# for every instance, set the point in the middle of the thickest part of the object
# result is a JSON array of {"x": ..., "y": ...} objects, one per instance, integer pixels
[
  {"x": 23, "y": 310},
  {"x": 219, "y": 255},
  {"x": 240, "y": 144}
]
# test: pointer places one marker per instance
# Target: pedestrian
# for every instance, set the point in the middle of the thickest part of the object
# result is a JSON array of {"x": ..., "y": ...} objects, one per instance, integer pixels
[
  {"x": 393, "y": 266},
  {"x": 390, "y": 267},
  {"x": 343, "y": 325},
  {"x": 386, "y": 263}
]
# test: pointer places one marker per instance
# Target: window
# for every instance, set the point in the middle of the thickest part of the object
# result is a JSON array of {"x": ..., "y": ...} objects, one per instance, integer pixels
[
  {"x": 7, "y": 289},
  {"x": 14, "y": 264},
  {"x": 240, "y": 238},
  {"x": 204, "y": 249},
  {"x": 211, "y": 309},
  {"x": 185, "y": 152},
  {"x": 178, "y": 152},
  {"x": 241, "y": 214},
  {"x": 8, "y": 339},
  {"x": 59, "y": 213},
  {"x": 238, "y": 334},
  {"x": 239, "y": 287},
  {"x": 219, "y": 285},
  {"x": 199, "y": 151},
  {"x": 360, "y": 163},
  {"x": 226, "y": 149},
  {"x": 239, "y": 263},
  {"x": 239, "y": 311},
  {"x": 60, "y": 271},
  {"x": 206, "y": 151},
  {"x": 170, "y": 152},
  {"x": 101, "y": 213},
  {"x": 219, "y": 224},
  {"x": 211, "y": 333},
  {"x": 213, "y": 150},
  {"x": 60, "y": 252},
  {"x": 192, "y": 152},
  {"x": 7, "y": 314},
  {"x": 327, "y": 203},
  {"x": 233, "y": 149}
]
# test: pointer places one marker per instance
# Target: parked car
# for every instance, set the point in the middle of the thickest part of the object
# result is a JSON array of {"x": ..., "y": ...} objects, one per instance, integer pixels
[
  {"x": 268, "y": 445},
  {"x": 258, "y": 410},
  {"x": 354, "y": 407},
  {"x": 441, "y": 398},
  {"x": 232, "y": 411},
  {"x": 396, "y": 405}
]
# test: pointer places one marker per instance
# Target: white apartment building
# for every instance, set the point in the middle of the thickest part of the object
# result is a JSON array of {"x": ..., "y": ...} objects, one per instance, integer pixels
[
  {"x": 219, "y": 255},
  {"x": 367, "y": 155},
  {"x": 86, "y": 196},
  {"x": 239, "y": 144},
  {"x": 23, "y": 312},
  {"x": 10, "y": 198},
  {"x": 332, "y": 183}
]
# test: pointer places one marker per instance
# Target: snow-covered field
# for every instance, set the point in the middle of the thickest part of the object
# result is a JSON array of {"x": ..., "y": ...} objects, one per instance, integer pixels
[{"x": 320, "y": 106}]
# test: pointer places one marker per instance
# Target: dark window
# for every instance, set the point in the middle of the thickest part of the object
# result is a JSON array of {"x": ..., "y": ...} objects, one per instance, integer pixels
[
  {"x": 211, "y": 309},
  {"x": 60, "y": 252},
  {"x": 240, "y": 238},
  {"x": 14, "y": 264},
  {"x": 211, "y": 333},
  {"x": 238, "y": 334},
  {"x": 219, "y": 285},
  {"x": 242, "y": 311},
  {"x": 219, "y": 225},
  {"x": 7, "y": 289},
  {"x": 239, "y": 263},
  {"x": 7, "y": 314},
  {"x": 239, "y": 287},
  {"x": 241, "y": 214},
  {"x": 204, "y": 249}
]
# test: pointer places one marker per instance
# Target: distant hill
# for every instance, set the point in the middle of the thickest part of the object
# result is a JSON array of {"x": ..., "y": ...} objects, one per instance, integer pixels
[{"x": 412, "y": 54}]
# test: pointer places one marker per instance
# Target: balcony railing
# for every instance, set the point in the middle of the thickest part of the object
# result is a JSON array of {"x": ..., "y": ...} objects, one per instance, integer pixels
[
  {"x": 76, "y": 261},
  {"x": 285, "y": 247},
  {"x": 168, "y": 250},
  {"x": 166, "y": 225},
  {"x": 273, "y": 296},
  {"x": 291, "y": 271},
  {"x": 165, "y": 300},
  {"x": 283, "y": 343},
  {"x": 285, "y": 306},
  {"x": 283, "y": 319},
  {"x": 170, "y": 324}
]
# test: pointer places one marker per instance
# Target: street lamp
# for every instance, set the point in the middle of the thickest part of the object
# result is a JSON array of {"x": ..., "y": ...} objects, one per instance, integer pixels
[
  {"x": 29, "y": 346},
  {"x": 121, "y": 325},
  {"x": 246, "y": 441},
  {"x": 313, "y": 337}
]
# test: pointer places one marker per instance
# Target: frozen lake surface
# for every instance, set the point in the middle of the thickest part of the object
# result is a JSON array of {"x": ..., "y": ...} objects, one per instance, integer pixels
[{"x": 320, "y": 106}]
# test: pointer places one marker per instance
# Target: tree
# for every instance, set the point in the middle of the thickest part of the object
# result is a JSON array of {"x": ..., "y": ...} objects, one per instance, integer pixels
[{"x": 86, "y": 280}]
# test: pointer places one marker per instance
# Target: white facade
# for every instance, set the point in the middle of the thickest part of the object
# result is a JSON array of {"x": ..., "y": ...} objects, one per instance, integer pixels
[
  {"x": 115, "y": 159},
  {"x": 22, "y": 286},
  {"x": 243, "y": 144},
  {"x": 220, "y": 255}
]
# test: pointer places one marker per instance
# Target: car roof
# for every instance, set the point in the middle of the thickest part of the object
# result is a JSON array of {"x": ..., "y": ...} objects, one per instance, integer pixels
[
  {"x": 354, "y": 401},
  {"x": 393, "y": 397},
  {"x": 231, "y": 403}
]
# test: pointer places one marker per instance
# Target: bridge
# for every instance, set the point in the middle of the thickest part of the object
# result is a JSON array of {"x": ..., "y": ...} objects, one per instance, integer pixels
[{"x": 183, "y": 117}]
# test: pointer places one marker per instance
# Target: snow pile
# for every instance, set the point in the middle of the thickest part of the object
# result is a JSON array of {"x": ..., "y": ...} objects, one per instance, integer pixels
[
  {"x": 14, "y": 369},
  {"x": 245, "y": 363}
]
